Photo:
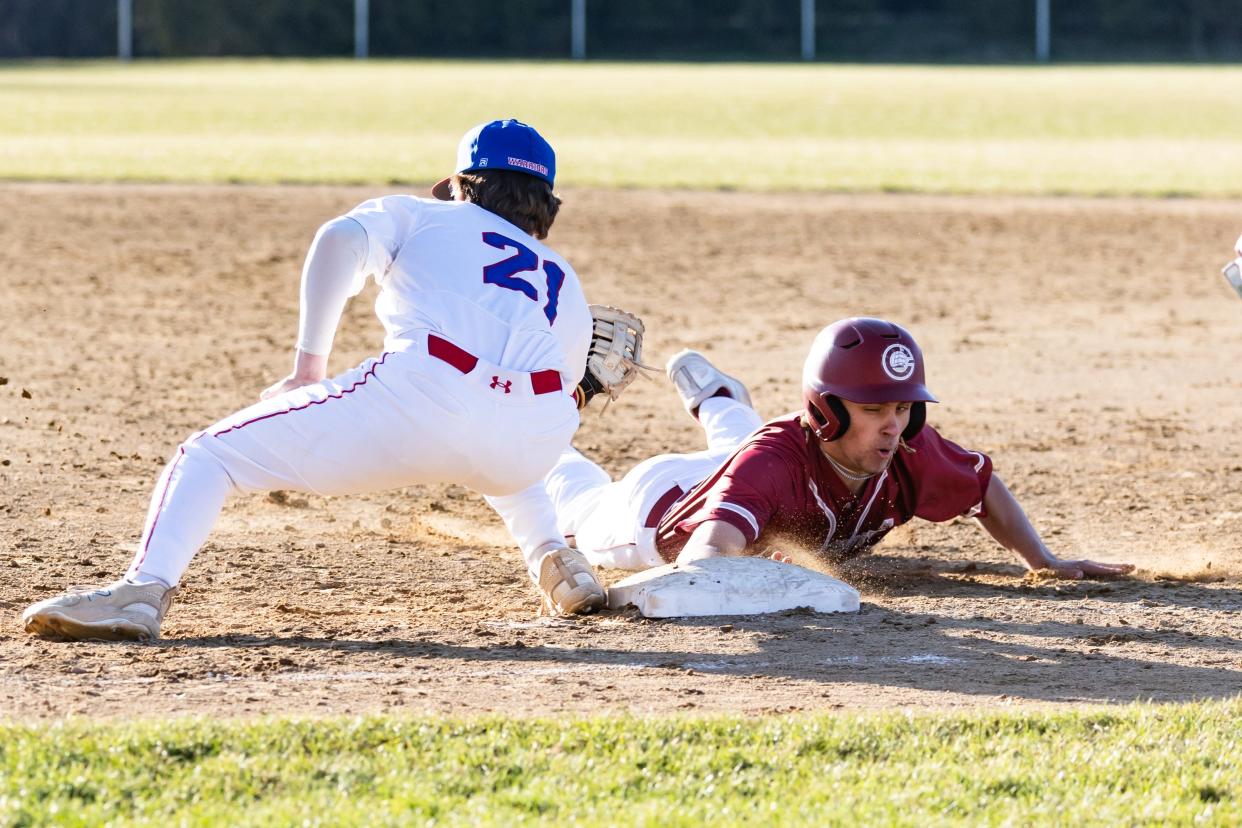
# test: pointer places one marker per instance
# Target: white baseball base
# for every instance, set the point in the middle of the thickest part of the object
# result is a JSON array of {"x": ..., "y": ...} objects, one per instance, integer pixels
[{"x": 730, "y": 586}]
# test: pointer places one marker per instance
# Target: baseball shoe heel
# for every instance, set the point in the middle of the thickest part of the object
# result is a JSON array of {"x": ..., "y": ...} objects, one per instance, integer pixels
[
  {"x": 118, "y": 612},
  {"x": 697, "y": 380},
  {"x": 568, "y": 584}
]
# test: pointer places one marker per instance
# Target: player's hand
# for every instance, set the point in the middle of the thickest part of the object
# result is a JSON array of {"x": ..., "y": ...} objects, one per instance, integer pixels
[
  {"x": 696, "y": 553},
  {"x": 1077, "y": 570},
  {"x": 308, "y": 369},
  {"x": 780, "y": 557},
  {"x": 287, "y": 384}
]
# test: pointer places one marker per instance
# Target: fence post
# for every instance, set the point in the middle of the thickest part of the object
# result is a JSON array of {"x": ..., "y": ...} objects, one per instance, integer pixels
[
  {"x": 362, "y": 19},
  {"x": 577, "y": 29},
  {"x": 808, "y": 29},
  {"x": 125, "y": 29},
  {"x": 1043, "y": 30}
]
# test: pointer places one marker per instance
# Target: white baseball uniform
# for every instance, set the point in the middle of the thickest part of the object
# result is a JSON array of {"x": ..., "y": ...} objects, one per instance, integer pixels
[
  {"x": 487, "y": 332},
  {"x": 614, "y": 523}
]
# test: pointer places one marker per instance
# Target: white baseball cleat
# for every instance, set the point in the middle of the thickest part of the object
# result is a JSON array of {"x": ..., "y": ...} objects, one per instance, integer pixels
[
  {"x": 568, "y": 583},
  {"x": 697, "y": 380},
  {"x": 1233, "y": 273},
  {"x": 118, "y": 612}
]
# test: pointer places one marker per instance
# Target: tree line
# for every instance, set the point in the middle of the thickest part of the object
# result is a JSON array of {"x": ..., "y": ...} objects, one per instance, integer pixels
[{"x": 965, "y": 31}]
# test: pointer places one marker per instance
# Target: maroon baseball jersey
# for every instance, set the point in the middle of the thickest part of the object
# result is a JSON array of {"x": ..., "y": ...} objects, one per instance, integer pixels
[{"x": 779, "y": 488}]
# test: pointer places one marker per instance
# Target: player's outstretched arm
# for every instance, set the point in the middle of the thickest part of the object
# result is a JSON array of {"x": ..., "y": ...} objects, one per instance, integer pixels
[
  {"x": 713, "y": 539},
  {"x": 1008, "y": 524}
]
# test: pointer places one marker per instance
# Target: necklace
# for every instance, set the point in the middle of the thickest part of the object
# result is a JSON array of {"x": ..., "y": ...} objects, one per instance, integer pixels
[{"x": 846, "y": 473}]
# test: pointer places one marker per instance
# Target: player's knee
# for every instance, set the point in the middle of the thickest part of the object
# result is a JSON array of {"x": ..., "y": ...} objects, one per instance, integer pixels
[
  {"x": 190, "y": 446},
  {"x": 196, "y": 458}
]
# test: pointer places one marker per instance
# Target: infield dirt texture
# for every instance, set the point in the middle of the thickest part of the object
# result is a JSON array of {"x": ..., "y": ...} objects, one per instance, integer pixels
[{"x": 1089, "y": 346}]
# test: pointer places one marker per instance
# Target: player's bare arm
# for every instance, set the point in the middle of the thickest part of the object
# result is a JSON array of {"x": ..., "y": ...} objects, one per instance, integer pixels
[
  {"x": 713, "y": 539},
  {"x": 1006, "y": 521}
]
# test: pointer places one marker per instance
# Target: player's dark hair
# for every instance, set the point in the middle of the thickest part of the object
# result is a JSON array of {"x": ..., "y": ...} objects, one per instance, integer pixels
[{"x": 518, "y": 198}]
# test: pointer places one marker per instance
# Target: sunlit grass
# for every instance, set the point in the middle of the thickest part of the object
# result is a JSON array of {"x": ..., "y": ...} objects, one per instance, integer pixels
[
  {"x": 1157, "y": 765},
  {"x": 1143, "y": 130}
]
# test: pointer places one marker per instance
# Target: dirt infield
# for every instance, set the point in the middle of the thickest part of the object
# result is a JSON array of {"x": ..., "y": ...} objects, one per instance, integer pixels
[{"x": 1088, "y": 345}]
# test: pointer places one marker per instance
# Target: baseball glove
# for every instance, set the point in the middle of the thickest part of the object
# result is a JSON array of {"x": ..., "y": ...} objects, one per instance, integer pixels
[{"x": 615, "y": 356}]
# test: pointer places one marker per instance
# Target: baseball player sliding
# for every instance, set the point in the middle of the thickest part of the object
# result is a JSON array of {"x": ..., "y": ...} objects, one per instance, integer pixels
[
  {"x": 487, "y": 337},
  {"x": 834, "y": 477}
]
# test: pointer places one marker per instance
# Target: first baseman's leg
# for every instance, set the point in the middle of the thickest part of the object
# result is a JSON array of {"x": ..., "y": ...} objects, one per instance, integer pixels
[
  {"x": 401, "y": 419},
  {"x": 283, "y": 442},
  {"x": 562, "y": 574},
  {"x": 387, "y": 423},
  {"x": 574, "y": 485},
  {"x": 184, "y": 507},
  {"x": 531, "y": 520},
  {"x": 134, "y": 607}
]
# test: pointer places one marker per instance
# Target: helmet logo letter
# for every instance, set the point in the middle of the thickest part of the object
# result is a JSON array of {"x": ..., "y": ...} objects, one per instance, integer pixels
[{"x": 898, "y": 362}]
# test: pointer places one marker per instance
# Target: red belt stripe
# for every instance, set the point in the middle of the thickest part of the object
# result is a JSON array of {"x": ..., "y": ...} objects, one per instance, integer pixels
[{"x": 541, "y": 382}]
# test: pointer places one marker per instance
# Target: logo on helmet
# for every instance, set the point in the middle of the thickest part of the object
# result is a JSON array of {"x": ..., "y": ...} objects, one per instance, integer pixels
[{"x": 898, "y": 362}]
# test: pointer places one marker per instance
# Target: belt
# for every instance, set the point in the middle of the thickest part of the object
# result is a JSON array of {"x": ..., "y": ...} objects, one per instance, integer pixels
[
  {"x": 541, "y": 382},
  {"x": 661, "y": 506}
]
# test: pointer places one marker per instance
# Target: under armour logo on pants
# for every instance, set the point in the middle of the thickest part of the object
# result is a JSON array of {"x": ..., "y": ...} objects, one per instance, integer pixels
[{"x": 507, "y": 384}]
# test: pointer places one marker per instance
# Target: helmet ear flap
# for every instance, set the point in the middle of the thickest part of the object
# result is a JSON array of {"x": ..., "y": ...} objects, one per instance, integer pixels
[
  {"x": 829, "y": 419},
  {"x": 918, "y": 417},
  {"x": 842, "y": 417}
]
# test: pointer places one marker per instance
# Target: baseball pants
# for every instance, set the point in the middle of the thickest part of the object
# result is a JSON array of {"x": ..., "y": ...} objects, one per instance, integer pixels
[
  {"x": 614, "y": 523},
  {"x": 400, "y": 419}
]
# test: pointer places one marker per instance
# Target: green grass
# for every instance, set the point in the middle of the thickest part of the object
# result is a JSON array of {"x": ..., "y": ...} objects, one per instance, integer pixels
[
  {"x": 1134, "y": 765},
  {"x": 1155, "y": 130}
]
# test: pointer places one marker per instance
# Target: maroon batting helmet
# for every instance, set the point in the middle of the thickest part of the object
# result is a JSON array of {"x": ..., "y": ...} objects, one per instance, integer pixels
[{"x": 863, "y": 360}]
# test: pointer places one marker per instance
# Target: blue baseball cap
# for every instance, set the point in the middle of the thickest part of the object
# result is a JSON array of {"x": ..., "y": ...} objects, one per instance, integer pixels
[{"x": 502, "y": 145}]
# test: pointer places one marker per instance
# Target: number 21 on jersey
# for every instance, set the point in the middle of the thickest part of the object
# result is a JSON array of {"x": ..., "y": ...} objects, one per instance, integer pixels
[{"x": 524, "y": 260}]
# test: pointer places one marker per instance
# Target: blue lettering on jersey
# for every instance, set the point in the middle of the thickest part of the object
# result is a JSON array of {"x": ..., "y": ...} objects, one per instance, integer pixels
[{"x": 524, "y": 260}]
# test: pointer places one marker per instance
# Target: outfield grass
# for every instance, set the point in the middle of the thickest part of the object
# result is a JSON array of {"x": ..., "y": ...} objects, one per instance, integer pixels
[
  {"x": 1094, "y": 129},
  {"x": 1133, "y": 765}
]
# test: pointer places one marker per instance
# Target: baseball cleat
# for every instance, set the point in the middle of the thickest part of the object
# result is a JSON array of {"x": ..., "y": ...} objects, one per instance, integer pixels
[
  {"x": 696, "y": 380},
  {"x": 118, "y": 612},
  {"x": 568, "y": 583},
  {"x": 1233, "y": 273}
]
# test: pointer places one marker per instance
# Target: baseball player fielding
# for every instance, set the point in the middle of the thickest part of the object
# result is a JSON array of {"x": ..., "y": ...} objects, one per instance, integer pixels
[{"x": 488, "y": 337}]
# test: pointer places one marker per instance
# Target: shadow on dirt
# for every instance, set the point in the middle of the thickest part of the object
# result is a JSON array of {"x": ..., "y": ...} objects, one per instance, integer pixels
[
  {"x": 928, "y": 576},
  {"x": 1055, "y": 661}
]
